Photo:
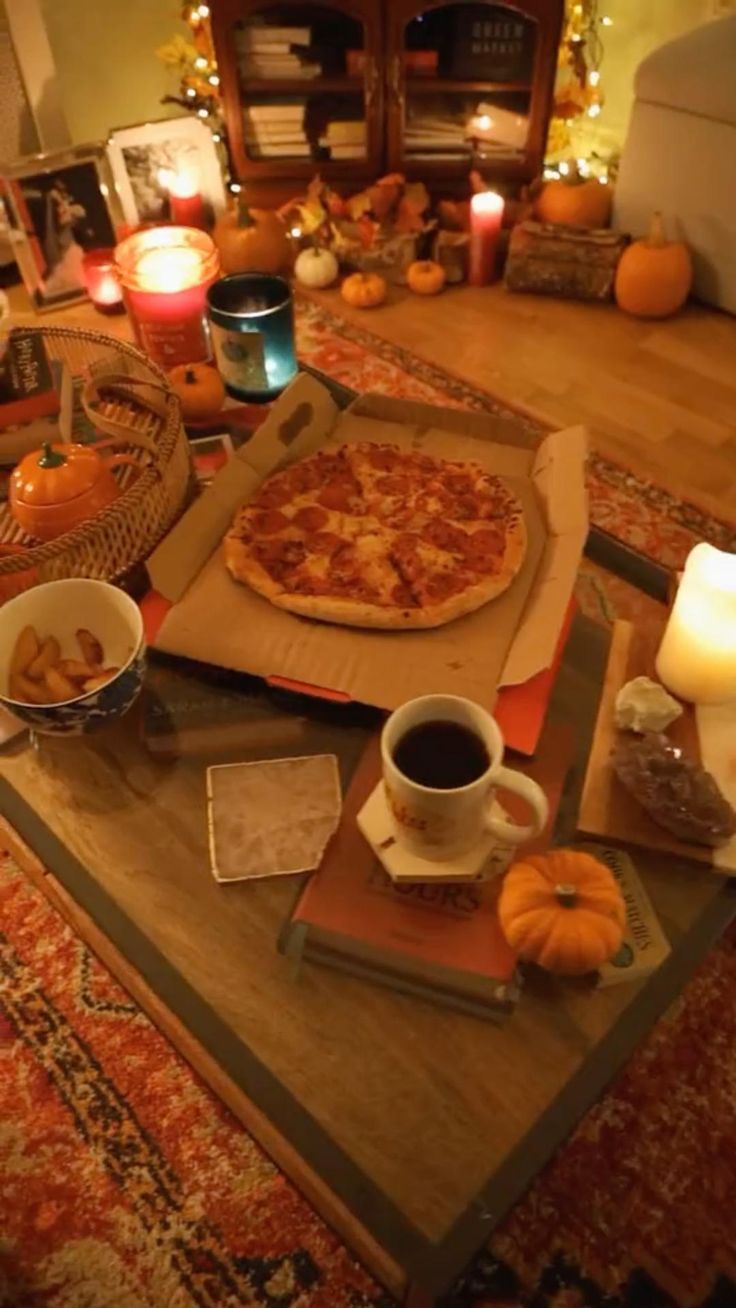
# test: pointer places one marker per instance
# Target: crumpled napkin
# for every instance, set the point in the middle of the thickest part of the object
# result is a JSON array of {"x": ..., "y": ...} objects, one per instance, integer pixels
[{"x": 272, "y": 818}]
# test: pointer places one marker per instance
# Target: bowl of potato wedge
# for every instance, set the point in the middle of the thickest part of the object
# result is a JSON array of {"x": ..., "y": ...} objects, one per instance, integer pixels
[{"x": 72, "y": 655}]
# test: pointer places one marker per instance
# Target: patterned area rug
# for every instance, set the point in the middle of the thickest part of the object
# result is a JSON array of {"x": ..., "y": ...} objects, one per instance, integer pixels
[{"x": 125, "y": 1184}]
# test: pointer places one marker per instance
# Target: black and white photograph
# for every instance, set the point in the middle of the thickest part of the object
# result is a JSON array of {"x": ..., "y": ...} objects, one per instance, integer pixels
[
  {"x": 58, "y": 211},
  {"x": 142, "y": 158}
]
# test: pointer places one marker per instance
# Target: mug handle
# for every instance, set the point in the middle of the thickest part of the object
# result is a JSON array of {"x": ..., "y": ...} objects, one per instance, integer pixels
[{"x": 511, "y": 833}]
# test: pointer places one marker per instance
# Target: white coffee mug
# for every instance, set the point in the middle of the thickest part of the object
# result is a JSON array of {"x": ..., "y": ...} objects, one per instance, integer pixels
[{"x": 441, "y": 824}]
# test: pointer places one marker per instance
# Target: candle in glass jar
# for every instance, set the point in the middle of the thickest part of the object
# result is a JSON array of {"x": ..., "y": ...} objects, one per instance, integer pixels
[
  {"x": 165, "y": 273},
  {"x": 697, "y": 657},
  {"x": 185, "y": 201},
  {"x": 486, "y": 216},
  {"x": 101, "y": 281}
]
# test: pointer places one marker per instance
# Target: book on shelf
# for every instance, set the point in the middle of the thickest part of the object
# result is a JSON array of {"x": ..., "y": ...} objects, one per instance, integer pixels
[
  {"x": 275, "y": 113},
  {"x": 296, "y": 73},
  {"x": 54, "y": 424},
  {"x": 345, "y": 133},
  {"x": 282, "y": 150},
  {"x": 257, "y": 136},
  {"x": 345, "y": 151},
  {"x": 257, "y": 34}
]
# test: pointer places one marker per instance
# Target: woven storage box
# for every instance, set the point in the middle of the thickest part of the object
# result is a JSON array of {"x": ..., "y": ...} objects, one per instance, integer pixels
[{"x": 128, "y": 400}]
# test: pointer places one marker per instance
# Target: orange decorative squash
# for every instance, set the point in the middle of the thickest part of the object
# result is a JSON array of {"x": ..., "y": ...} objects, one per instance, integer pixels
[
  {"x": 200, "y": 388},
  {"x": 577, "y": 201},
  {"x": 562, "y": 910},
  {"x": 58, "y": 487},
  {"x": 654, "y": 276},
  {"x": 252, "y": 240},
  {"x": 425, "y": 277},
  {"x": 364, "y": 290}
]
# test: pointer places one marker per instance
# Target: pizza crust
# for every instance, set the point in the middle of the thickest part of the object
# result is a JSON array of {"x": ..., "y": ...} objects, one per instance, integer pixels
[{"x": 244, "y": 568}]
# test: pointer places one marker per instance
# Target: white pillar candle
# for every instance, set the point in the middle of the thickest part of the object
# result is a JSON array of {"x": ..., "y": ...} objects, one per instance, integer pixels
[{"x": 697, "y": 657}]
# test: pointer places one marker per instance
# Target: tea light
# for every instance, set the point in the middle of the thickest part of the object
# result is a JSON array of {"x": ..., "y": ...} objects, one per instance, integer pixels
[
  {"x": 101, "y": 281},
  {"x": 165, "y": 274},
  {"x": 185, "y": 201},
  {"x": 486, "y": 216},
  {"x": 697, "y": 657},
  {"x": 252, "y": 326}
]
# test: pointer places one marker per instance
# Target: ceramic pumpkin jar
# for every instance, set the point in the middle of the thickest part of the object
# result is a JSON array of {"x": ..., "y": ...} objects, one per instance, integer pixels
[
  {"x": 654, "y": 276},
  {"x": 200, "y": 388},
  {"x": 425, "y": 277},
  {"x": 364, "y": 290},
  {"x": 252, "y": 240},
  {"x": 576, "y": 201},
  {"x": 562, "y": 910},
  {"x": 57, "y": 488}
]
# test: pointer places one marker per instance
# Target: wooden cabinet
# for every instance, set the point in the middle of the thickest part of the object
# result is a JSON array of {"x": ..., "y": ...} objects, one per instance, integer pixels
[{"x": 357, "y": 88}]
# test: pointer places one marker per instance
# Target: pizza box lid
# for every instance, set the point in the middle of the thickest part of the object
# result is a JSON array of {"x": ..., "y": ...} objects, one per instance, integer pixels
[{"x": 211, "y": 618}]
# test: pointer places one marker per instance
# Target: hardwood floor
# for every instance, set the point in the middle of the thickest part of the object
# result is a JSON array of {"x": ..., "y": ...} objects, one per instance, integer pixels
[{"x": 659, "y": 397}]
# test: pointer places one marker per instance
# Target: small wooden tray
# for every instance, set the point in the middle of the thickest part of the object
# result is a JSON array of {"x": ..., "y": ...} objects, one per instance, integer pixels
[{"x": 607, "y": 809}]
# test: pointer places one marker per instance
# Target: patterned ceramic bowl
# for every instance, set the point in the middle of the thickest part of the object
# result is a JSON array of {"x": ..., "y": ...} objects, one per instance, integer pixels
[{"x": 59, "y": 608}]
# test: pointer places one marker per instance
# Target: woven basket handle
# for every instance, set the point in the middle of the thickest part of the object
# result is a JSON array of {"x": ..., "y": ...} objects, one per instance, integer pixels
[{"x": 146, "y": 394}]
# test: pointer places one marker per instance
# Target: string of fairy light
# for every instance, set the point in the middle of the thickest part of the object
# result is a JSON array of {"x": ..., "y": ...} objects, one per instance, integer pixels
[{"x": 200, "y": 80}]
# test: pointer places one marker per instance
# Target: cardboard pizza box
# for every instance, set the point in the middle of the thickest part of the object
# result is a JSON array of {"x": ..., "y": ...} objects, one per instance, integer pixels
[{"x": 211, "y": 618}]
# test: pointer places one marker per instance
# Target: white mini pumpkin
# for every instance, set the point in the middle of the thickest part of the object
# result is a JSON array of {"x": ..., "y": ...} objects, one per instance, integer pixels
[{"x": 316, "y": 267}]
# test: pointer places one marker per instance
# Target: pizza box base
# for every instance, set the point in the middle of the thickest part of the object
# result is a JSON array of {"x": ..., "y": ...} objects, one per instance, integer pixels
[
  {"x": 207, "y": 616},
  {"x": 607, "y": 809}
]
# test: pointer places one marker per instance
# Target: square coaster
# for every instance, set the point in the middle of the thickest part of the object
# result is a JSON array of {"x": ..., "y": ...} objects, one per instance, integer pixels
[{"x": 481, "y": 863}]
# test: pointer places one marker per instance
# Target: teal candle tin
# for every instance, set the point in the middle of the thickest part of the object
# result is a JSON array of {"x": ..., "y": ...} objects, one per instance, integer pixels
[{"x": 252, "y": 324}]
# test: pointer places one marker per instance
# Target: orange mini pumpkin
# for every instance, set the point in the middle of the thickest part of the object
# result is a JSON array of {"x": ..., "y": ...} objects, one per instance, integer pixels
[
  {"x": 200, "y": 389},
  {"x": 364, "y": 290},
  {"x": 252, "y": 240},
  {"x": 425, "y": 277},
  {"x": 562, "y": 910},
  {"x": 654, "y": 276}
]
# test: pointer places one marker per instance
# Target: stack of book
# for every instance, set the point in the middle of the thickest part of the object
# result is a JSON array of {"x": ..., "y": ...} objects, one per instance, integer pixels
[
  {"x": 276, "y": 52},
  {"x": 435, "y": 136},
  {"x": 345, "y": 140},
  {"x": 276, "y": 130}
]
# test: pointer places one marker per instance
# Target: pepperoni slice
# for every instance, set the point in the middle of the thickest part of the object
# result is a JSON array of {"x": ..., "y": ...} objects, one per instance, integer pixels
[
  {"x": 445, "y": 536},
  {"x": 337, "y": 495},
  {"x": 274, "y": 497},
  {"x": 270, "y": 522},
  {"x": 396, "y": 485},
  {"x": 324, "y": 542},
  {"x": 443, "y": 584},
  {"x": 402, "y": 596},
  {"x": 311, "y": 518},
  {"x": 383, "y": 458}
]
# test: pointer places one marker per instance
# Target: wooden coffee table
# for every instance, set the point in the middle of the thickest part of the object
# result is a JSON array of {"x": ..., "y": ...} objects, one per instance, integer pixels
[{"x": 412, "y": 1129}]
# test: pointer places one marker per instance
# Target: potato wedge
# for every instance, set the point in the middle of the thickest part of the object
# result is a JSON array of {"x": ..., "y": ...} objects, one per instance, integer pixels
[
  {"x": 102, "y": 679},
  {"x": 48, "y": 656},
  {"x": 27, "y": 691},
  {"x": 90, "y": 646},
  {"x": 78, "y": 671},
  {"x": 59, "y": 686},
  {"x": 25, "y": 651}
]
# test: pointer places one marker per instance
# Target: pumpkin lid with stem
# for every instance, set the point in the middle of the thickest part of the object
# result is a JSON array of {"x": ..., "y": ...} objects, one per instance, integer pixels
[{"x": 56, "y": 473}]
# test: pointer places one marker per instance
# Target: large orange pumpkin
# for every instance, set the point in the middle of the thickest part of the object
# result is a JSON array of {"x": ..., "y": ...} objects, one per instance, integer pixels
[
  {"x": 252, "y": 240},
  {"x": 576, "y": 201},
  {"x": 654, "y": 276},
  {"x": 562, "y": 910}
]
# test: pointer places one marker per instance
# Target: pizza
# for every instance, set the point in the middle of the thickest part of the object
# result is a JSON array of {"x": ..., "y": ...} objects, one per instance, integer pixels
[{"x": 370, "y": 535}]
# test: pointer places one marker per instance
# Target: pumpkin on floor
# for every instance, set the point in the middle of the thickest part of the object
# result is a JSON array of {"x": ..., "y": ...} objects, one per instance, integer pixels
[
  {"x": 364, "y": 290},
  {"x": 252, "y": 240},
  {"x": 425, "y": 277},
  {"x": 316, "y": 267},
  {"x": 200, "y": 389},
  {"x": 562, "y": 910},
  {"x": 654, "y": 276},
  {"x": 574, "y": 200}
]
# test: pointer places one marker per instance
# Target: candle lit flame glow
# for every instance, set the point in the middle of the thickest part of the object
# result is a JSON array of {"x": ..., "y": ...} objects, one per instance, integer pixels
[
  {"x": 169, "y": 270},
  {"x": 182, "y": 184},
  {"x": 486, "y": 202}
]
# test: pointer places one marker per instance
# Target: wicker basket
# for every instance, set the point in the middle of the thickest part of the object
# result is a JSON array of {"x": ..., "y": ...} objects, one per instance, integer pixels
[{"x": 128, "y": 399}]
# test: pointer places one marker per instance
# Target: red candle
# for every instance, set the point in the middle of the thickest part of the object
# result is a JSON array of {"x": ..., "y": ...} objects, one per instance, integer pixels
[
  {"x": 166, "y": 273},
  {"x": 185, "y": 201},
  {"x": 486, "y": 216},
  {"x": 101, "y": 280}
]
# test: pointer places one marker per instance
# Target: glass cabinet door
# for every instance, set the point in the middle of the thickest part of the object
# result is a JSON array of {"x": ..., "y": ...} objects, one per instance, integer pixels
[
  {"x": 464, "y": 87},
  {"x": 304, "y": 78}
]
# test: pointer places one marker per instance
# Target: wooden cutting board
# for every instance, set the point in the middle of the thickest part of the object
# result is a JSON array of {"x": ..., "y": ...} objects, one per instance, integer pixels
[{"x": 607, "y": 809}]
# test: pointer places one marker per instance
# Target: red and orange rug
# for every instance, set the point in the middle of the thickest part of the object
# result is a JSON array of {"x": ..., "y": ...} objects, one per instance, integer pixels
[{"x": 125, "y": 1184}]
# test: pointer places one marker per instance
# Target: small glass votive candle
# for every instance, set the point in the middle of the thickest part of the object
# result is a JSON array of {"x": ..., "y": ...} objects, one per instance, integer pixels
[
  {"x": 252, "y": 326},
  {"x": 101, "y": 280},
  {"x": 165, "y": 273}
]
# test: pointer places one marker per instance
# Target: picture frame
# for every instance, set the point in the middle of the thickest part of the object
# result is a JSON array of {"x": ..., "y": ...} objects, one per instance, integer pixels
[
  {"x": 59, "y": 205},
  {"x": 136, "y": 154}
]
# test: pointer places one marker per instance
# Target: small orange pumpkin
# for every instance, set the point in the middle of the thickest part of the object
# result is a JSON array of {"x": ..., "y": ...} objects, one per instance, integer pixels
[
  {"x": 200, "y": 389},
  {"x": 57, "y": 488},
  {"x": 425, "y": 277},
  {"x": 562, "y": 910},
  {"x": 654, "y": 276},
  {"x": 364, "y": 290},
  {"x": 252, "y": 240},
  {"x": 577, "y": 201}
]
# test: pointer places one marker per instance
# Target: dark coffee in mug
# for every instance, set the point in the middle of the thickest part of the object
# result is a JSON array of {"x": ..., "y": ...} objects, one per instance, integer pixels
[{"x": 441, "y": 754}]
